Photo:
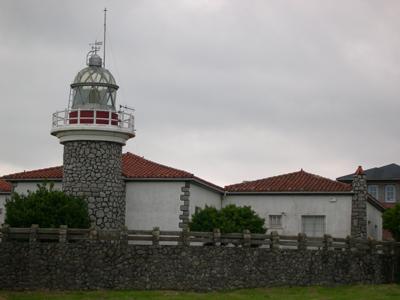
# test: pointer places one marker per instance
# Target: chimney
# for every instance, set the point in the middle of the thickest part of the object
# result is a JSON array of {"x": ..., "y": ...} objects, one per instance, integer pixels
[{"x": 359, "y": 205}]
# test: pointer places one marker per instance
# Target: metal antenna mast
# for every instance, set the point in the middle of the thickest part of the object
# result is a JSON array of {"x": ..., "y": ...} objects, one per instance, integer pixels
[{"x": 104, "y": 38}]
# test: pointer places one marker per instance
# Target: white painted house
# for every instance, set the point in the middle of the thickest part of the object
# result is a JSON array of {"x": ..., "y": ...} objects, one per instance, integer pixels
[
  {"x": 5, "y": 190},
  {"x": 290, "y": 203}
]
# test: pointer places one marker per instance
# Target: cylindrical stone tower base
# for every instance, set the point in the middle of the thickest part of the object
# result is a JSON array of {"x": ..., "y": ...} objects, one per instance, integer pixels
[{"x": 92, "y": 169}]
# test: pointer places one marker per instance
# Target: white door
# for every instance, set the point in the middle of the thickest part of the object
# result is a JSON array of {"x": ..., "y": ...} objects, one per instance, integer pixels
[{"x": 313, "y": 226}]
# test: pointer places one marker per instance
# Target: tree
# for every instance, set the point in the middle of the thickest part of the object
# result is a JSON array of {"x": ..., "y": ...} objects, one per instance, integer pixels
[
  {"x": 47, "y": 208},
  {"x": 391, "y": 221},
  {"x": 231, "y": 218}
]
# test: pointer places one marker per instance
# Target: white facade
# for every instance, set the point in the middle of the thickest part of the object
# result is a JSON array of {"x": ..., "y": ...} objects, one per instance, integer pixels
[
  {"x": 201, "y": 196},
  {"x": 374, "y": 221},
  {"x": 3, "y": 198},
  {"x": 156, "y": 203},
  {"x": 291, "y": 208},
  {"x": 153, "y": 204}
]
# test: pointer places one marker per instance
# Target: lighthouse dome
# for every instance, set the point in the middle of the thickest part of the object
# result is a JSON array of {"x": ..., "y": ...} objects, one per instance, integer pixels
[{"x": 94, "y": 87}]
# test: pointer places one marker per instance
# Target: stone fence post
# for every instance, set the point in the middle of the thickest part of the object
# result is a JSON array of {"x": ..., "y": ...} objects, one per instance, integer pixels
[
  {"x": 62, "y": 234},
  {"x": 185, "y": 234},
  {"x": 123, "y": 235},
  {"x": 274, "y": 237},
  {"x": 327, "y": 242},
  {"x": 387, "y": 248},
  {"x": 349, "y": 243},
  {"x": 246, "y": 238},
  {"x": 33, "y": 233},
  {"x": 93, "y": 234},
  {"x": 5, "y": 232},
  {"x": 302, "y": 241},
  {"x": 217, "y": 237},
  {"x": 371, "y": 245},
  {"x": 156, "y": 236}
]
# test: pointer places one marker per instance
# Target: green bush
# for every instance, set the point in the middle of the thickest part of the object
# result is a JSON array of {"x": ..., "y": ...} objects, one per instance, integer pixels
[
  {"x": 231, "y": 218},
  {"x": 47, "y": 208},
  {"x": 391, "y": 221}
]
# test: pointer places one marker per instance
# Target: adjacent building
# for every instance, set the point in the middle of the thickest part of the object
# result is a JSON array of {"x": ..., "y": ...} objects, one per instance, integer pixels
[
  {"x": 5, "y": 191},
  {"x": 383, "y": 183},
  {"x": 160, "y": 196}
]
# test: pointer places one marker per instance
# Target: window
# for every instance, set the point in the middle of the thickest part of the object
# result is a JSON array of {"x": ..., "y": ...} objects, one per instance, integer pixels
[
  {"x": 373, "y": 190},
  {"x": 313, "y": 226},
  {"x": 390, "y": 193},
  {"x": 275, "y": 221}
]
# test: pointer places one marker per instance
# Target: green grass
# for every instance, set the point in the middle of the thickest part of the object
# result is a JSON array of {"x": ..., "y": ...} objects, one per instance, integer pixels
[{"x": 359, "y": 292}]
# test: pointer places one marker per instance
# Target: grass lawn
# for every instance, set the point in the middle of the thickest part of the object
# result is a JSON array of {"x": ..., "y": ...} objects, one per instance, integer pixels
[{"x": 361, "y": 292}]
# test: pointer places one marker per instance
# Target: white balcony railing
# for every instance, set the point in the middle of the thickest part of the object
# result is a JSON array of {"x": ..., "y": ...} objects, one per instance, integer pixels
[{"x": 92, "y": 117}]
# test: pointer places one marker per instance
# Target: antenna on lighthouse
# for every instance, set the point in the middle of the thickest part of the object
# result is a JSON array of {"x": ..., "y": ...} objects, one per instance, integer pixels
[{"x": 104, "y": 38}]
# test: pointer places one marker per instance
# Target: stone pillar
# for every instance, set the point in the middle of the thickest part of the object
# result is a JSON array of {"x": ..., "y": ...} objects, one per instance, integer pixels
[
  {"x": 184, "y": 216},
  {"x": 93, "y": 169},
  {"x": 359, "y": 205}
]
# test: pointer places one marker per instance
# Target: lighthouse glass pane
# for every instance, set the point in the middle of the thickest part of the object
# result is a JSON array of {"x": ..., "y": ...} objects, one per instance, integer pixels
[{"x": 93, "y": 97}]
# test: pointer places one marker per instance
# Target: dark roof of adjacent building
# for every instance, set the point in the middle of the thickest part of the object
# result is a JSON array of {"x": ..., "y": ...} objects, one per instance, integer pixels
[
  {"x": 388, "y": 172},
  {"x": 299, "y": 182},
  {"x": 133, "y": 167}
]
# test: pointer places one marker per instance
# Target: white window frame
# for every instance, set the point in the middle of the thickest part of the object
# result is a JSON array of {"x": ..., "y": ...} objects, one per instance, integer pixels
[
  {"x": 376, "y": 188},
  {"x": 275, "y": 224},
  {"x": 313, "y": 216},
  {"x": 387, "y": 193}
]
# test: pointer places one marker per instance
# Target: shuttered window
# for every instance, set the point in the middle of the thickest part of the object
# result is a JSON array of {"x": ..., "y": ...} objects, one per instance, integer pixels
[
  {"x": 275, "y": 221},
  {"x": 313, "y": 226}
]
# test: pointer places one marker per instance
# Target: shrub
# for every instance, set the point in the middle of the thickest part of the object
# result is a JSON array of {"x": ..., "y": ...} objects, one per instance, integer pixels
[
  {"x": 47, "y": 208},
  {"x": 391, "y": 221},
  {"x": 231, "y": 218}
]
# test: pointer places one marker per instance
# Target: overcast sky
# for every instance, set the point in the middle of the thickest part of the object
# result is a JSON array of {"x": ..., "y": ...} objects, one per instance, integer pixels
[{"x": 227, "y": 90}]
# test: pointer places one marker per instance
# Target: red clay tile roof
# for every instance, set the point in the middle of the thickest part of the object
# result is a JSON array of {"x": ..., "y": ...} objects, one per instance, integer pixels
[
  {"x": 5, "y": 187},
  {"x": 47, "y": 173},
  {"x": 133, "y": 167},
  {"x": 293, "y": 182}
]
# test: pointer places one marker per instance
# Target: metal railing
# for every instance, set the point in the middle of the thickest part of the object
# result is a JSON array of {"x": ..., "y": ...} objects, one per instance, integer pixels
[
  {"x": 158, "y": 237},
  {"x": 93, "y": 117}
]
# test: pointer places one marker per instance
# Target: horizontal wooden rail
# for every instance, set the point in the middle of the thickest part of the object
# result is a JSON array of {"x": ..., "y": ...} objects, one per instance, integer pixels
[{"x": 158, "y": 237}]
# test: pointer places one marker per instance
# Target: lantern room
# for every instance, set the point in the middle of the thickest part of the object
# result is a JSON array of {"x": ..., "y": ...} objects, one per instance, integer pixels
[
  {"x": 92, "y": 112},
  {"x": 94, "y": 87}
]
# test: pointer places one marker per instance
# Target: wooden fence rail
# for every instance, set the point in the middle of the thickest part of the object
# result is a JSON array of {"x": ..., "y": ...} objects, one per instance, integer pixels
[{"x": 156, "y": 237}]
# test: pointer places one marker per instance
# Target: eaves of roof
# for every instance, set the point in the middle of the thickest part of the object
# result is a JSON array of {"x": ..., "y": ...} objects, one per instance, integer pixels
[{"x": 291, "y": 193}]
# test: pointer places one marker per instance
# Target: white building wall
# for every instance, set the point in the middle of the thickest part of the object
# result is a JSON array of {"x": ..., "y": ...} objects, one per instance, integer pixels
[
  {"x": 23, "y": 187},
  {"x": 3, "y": 198},
  {"x": 336, "y": 209},
  {"x": 153, "y": 203},
  {"x": 374, "y": 222},
  {"x": 200, "y": 196}
]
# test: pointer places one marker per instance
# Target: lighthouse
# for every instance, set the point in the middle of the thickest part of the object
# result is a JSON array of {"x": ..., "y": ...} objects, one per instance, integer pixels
[{"x": 93, "y": 132}]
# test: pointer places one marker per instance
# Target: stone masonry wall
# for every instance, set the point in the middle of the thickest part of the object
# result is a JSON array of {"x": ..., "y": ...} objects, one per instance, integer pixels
[
  {"x": 117, "y": 265},
  {"x": 93, "y": 169},
  {"x": 184, "y": 208},
  {"x": 359, "y": 206}
]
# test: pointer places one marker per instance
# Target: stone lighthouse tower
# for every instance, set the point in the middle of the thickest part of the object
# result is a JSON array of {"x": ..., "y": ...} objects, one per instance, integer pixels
[{"x": 93, "y": 132}]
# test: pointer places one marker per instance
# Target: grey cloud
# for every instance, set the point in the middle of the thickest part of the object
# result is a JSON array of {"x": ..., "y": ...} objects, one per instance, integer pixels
[{"x": 229, "y": 90}]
